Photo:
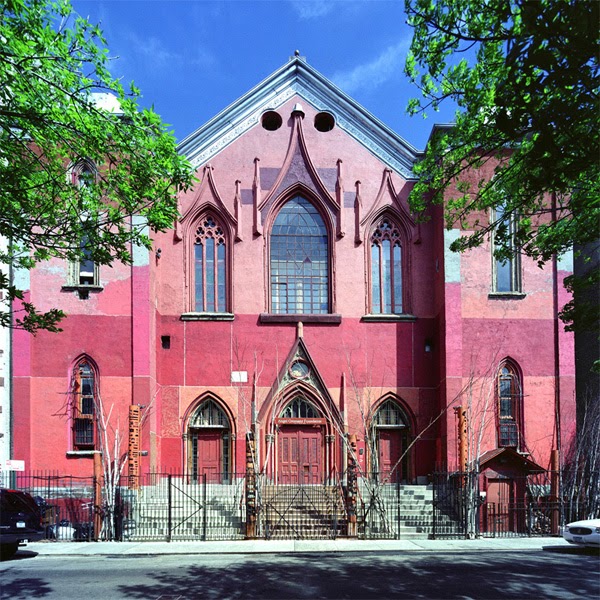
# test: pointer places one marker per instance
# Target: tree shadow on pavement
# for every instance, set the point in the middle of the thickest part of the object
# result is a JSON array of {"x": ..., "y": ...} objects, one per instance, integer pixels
[{"x": 452, "y": 575}]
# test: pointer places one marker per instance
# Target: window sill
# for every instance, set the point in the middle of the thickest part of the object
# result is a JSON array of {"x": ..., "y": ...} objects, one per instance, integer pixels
[
  {"x": 81, "y": 453},
  {"x": 73, "y": 288},
  {"x": 326, "y": 319},
  {"x": 207, "y": 316},
  {"x": 506, "y": 295},
  {"x": 388, "y": 318}
]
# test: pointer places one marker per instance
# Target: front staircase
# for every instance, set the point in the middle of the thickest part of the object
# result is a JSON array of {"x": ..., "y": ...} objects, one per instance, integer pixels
[
  {"x": 391, "y": 511},
  {"x": 293, "y": 511},
  {"x": 191, "y": 511}
]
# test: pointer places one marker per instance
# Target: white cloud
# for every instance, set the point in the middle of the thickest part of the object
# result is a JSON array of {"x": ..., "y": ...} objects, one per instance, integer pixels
[
  {"x": 370, "y": 75},
  {"x": 152, "y": 48},
  {"x": 156, "y": 56},
  {"x": 312, "y": 9}
]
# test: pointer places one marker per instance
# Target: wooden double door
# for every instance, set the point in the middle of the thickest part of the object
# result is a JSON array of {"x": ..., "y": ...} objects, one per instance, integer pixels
[{"x": 300, "y": 454}]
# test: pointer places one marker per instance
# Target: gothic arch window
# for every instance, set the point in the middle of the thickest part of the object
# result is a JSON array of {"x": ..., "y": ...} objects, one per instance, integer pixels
[
  {"x": 84, "y": 406},
  {"x": 390, "y": 433},
  {"x": 509, "y": 397},
  {"x": 210, "y": 443},
  {"x": 211, "y": 269},
  {"x": 386, "y": 268},
  {"x": 299, "y": 408},
  {"x": 299, "y": 260}
]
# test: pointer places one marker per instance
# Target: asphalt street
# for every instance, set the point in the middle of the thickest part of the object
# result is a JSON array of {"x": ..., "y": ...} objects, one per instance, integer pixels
[{"x": 559, "y": 571}]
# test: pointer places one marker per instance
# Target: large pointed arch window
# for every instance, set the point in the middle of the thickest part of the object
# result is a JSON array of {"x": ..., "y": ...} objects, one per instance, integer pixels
[
  {"x": 210, "y": 267},
  {"x": 386, "y": 268},
  {"x": 85, "y": 398},
  {"x": 299, "y": 260},
  {"x": 509, "y": 396}
]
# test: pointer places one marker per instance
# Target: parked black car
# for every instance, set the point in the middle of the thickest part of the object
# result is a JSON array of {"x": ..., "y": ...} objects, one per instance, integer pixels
[{"x": 20, "y": 521}]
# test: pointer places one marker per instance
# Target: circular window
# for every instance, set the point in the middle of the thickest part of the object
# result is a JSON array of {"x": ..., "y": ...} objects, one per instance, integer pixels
[
  {"x": 271, "y": 121},
  {"x": 299, "y": 369},
  {"x": 324, "y": 122}
]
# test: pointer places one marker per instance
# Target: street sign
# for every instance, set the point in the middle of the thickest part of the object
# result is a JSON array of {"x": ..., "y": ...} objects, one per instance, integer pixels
[{"x": 12, "y": 465}]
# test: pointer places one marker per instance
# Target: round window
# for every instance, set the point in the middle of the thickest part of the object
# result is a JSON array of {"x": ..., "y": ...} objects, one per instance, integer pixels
[{"x": 299, "y": 369}]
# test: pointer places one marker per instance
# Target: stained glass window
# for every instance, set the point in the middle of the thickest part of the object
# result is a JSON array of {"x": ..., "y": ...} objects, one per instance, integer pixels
[
  {"x": 299, "y": 260},
  {"x": 509, "y": 398}
]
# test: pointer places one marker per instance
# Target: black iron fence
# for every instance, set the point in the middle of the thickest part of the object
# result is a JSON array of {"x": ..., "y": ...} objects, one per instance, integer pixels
[{"x": 175, "y": 506}]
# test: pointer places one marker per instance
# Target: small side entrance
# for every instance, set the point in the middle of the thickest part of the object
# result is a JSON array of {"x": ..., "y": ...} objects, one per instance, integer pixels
[{"x": 300, "y": 454}]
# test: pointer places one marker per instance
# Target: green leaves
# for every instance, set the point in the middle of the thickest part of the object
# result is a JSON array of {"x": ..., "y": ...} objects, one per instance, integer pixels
[
  {"x": 53, "y": 68},
  {"x": 525, "y": 78}
]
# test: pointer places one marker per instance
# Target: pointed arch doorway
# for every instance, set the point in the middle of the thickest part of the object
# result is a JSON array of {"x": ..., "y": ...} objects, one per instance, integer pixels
[
  {"x": 209, "y": 439},
  {"x": 390, "y": 431}
]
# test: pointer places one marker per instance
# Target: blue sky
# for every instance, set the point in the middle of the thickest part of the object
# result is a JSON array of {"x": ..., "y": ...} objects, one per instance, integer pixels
[{"x": 193, "y": 58}]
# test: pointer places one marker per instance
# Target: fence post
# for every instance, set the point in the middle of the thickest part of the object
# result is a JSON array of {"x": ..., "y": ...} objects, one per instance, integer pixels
[
  {"x": 204, "y": 515},
  {"x": 250, "y": 488},
  {"x": 351, "y": 487},
  {"x": 398, "y": 521},
  {"x": 97, "y": 505},
  {"x": 170, "y": 508}
]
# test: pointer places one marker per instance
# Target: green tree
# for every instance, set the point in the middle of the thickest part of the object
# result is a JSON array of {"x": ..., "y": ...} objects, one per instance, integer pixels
[
  {"x": 53, "y": 116},
  {"x": 524, "y": 75}
]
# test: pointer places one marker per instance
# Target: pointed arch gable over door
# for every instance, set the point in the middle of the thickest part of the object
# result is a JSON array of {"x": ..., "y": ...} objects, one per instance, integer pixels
[{"x": 390, "y": 434}]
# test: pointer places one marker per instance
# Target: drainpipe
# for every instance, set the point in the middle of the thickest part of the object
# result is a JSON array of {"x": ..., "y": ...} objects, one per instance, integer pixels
[
  {"x": 555, "y": 461},
  {"x": 11, "y": 387}
]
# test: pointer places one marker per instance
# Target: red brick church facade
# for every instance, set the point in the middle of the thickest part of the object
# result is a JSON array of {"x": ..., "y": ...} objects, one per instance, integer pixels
[{"x": 298, "y": 300}]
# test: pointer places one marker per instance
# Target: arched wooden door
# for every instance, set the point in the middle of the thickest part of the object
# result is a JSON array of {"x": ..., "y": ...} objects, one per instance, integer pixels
[{"x": 391, "y": 431}]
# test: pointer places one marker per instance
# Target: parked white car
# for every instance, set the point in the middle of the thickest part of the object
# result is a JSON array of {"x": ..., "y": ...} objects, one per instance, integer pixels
[{"x": 586, "y": 533}]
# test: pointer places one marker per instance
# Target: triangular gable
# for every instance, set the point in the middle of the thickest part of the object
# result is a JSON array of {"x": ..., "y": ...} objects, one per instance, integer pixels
[
  {"x": 502, "y": 459},
  {"x": 388, "y": 197},
  {"x": 312, "y": 384},
  {"x": 298, "y": 77},
  {"x": 207, "y": 196}
]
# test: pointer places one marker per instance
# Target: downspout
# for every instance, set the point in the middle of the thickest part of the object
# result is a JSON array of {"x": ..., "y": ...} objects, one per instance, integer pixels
[
  {"x": 556, "y": 340},
  {"x": 11, "y": 393},
  {"x": 556, "y": 458}
]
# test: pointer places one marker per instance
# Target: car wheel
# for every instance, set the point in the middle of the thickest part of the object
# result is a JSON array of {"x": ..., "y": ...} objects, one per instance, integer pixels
[{"x": 8, "y": 551}]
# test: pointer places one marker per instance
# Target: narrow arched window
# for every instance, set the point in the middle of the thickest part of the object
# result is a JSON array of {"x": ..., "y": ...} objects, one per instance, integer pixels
[
  {"x": 386, "y": 268},
  {"x": 509, "y": 402},
  {"x": 85, "y": 271},
  {"x": 506, "y": 268},
  {"x": 210, "y": 267},
  {"x": 85, "y": 398},
  {"x": 299, "y": 260}
]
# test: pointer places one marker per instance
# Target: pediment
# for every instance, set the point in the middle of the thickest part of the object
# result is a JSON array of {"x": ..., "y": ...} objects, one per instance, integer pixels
[
  {"x": 297, "y": 77},
  {"x": 299, "y": 375}
]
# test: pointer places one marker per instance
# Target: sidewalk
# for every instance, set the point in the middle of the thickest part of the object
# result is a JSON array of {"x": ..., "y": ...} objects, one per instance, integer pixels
[{"x": 50, "y": 548}]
